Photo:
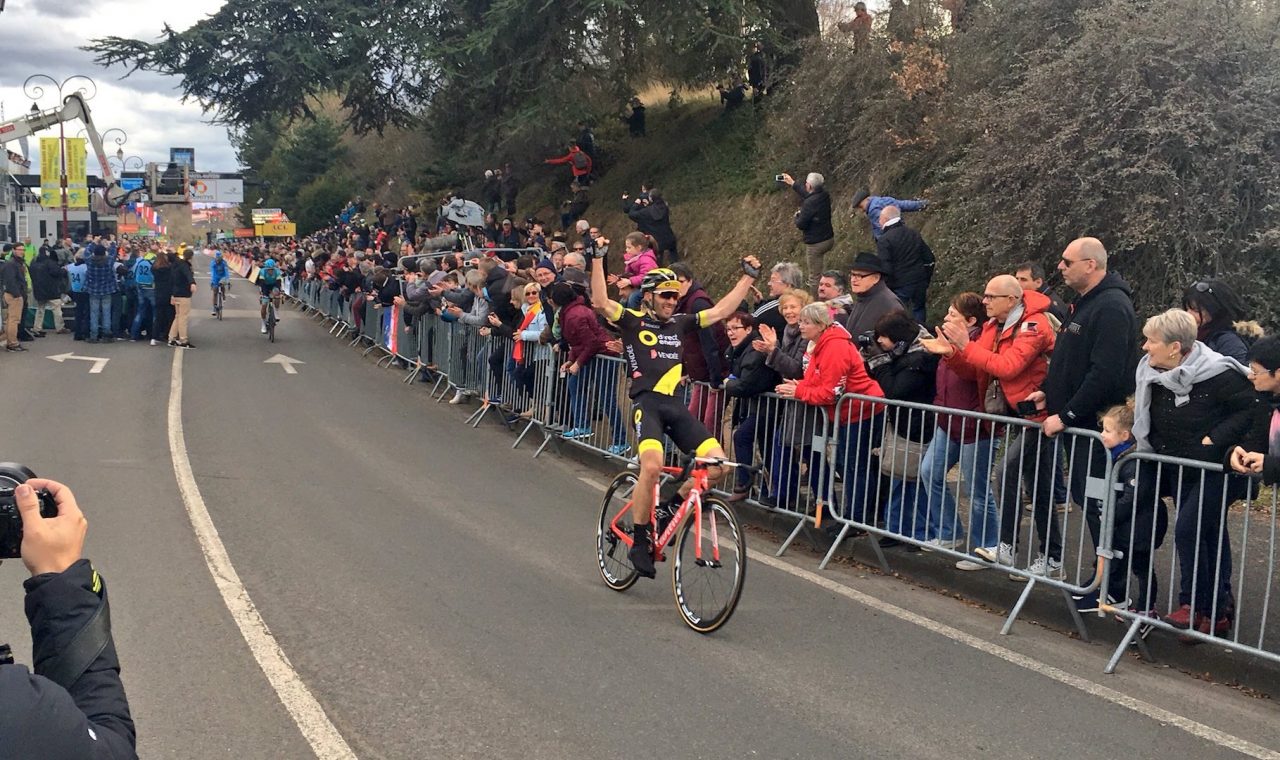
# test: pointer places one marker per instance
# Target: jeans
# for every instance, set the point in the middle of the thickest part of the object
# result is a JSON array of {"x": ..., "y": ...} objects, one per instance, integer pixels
[
  {"x": 939, "y": 504},
  {"x": 596, "y": 387},
  {"x": 902, "y": 510},
  {"x": 861, "y": 469},
  {"x": 1204, "y": 545},
  {"x": 913, "y": 297},
  {"x": 744, "y": 444},
  {"x": 81, "y": 300},
  {"x": 99, "y": 317},
  {"x": 1029, "y": 461},
  {"x": 146, "y": 312}
]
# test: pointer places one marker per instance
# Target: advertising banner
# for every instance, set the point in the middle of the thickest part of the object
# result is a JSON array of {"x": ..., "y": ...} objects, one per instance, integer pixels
[
  {"x": 77, "y": 177},
  {"x": 277, "y": 229},
  {"x": 214, "y": 190},
  {"x": 245, "y": 232},
  {"x": 50, "y": 173}
]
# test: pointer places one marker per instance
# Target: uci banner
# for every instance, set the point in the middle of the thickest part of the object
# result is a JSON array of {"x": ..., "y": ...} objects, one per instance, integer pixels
[
  {"x": 50, "y": 172},
  {"x": 77, "y": 173}
]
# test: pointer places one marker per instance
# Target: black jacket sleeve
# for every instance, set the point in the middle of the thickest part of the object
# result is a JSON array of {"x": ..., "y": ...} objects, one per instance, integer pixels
[
  {"x": 753, "y": 377},
  {"x": 1242, "y": 411},
  {"x": 38, "y": 718}
]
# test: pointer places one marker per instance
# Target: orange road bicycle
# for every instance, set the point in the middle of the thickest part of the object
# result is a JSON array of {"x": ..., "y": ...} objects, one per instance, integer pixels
[{"x": 710, "y": 559}]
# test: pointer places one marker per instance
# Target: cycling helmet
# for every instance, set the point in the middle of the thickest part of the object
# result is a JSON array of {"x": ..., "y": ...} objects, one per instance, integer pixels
[{"x": 659, "y": 279}]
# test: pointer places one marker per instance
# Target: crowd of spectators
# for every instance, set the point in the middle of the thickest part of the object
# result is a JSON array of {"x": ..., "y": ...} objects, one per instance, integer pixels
[{"x": 119, "y": 289}]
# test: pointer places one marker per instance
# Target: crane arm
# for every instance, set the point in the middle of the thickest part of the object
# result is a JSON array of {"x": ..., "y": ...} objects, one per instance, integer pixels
[{"x": 73, "y": 107}]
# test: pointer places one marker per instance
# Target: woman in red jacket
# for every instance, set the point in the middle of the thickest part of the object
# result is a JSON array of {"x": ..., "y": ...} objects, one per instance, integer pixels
[{"x": 833, "y": 367}]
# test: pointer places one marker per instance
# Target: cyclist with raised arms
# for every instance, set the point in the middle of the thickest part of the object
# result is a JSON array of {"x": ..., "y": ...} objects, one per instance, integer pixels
[
  {"x": 651, "y": 339},
  {"x": 268, "y": 283}
]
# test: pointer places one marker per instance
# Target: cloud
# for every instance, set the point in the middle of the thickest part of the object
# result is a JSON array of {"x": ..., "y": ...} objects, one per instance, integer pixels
[{"x": 37, "y": 38}]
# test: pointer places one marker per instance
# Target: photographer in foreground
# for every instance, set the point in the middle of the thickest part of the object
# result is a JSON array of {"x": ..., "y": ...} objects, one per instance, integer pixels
[{"x": 74, "y": 706}]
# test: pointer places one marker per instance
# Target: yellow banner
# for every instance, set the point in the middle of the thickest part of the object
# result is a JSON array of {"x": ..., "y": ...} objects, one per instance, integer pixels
[
  {"x": 50, "y": 173},
  {"x": 77, "y": 178},
  {"x": 276, "y": 229}
]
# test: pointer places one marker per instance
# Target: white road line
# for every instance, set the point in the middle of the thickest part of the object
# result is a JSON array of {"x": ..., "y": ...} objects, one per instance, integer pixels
[
  {"x": 1195, "y": 728},
  {"x": 306, "y": 712},
  {"x": 1192, "y": 727}
]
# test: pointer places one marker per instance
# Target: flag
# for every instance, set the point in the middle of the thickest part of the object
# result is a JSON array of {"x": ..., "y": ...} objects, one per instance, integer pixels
[{"x": 391, "y": 329}]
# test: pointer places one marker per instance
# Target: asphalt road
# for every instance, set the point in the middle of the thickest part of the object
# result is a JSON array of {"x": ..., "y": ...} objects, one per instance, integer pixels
[{"x": 437, "y": 591}]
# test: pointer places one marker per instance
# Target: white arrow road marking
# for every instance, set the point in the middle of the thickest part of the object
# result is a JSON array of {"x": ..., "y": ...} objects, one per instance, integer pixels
[
  {"x": 98, "y": 362},
  {"x": 284, "y": 361}
]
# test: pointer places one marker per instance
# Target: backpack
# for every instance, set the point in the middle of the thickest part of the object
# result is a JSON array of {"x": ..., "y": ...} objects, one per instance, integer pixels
[
  {"x": 581, "y": 160},
  {"x": 143, "y": 274}
]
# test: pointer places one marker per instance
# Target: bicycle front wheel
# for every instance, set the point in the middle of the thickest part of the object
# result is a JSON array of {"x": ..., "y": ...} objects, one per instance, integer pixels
[
  {"x": 615, "y": 566},
  {"x": 271, "y": 324},
  {"x": 710, "y": 565}
]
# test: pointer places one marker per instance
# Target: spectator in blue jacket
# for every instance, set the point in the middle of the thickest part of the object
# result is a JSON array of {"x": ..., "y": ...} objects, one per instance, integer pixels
[
  {"x": 100, "y": 282},
  {"x": 77, "y": 274},
  {"x": 874, "y": 204}
]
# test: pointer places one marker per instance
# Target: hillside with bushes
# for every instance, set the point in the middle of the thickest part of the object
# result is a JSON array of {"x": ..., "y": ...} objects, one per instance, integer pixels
[{"x": 1026, "y": 123}]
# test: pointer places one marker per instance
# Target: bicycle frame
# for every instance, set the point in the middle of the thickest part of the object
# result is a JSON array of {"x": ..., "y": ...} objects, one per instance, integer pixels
[{"x": 693, "y": 501}]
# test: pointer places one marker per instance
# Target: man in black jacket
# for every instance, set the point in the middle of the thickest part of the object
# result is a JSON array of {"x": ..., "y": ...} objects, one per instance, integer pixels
[
  {"x": 653, "y": 218},
  {"x": 13, "y": 283},
  {"x": 49, "y": 282},
  {"x": 907, "y": 259},
  {"x": 1093, "y": 363},
  {"x": 814, "y": 220},
  {"x": 77, "y": 672},
  {"x": 758, "y": 73}
]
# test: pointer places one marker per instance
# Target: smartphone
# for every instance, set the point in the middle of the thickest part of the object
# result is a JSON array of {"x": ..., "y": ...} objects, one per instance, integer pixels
[
  {"x": 779, "y": 178},
  {"x": 1027, "y": 408}
]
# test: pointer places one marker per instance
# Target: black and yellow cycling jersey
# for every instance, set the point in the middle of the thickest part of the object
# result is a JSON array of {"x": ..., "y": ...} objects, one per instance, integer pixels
[{"x": 652, "y": 348}]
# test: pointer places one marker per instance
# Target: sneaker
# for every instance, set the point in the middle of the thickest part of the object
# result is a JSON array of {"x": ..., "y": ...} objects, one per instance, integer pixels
[
  {"x": 185, "y": 344},
  {"x": 155, "y": 342},
  {"x": 1046, "y": 566},
  {"x": 934, "y": 544},
  {"x": 641, "y": 552},
  {"x": 63, "y": 331},
  {"x": 264, "y": 328},
  {"x": 969, "y": 565},
  {"x": 1086, "y": 602},
  {"x": 17, "y": 347},
  {"x": 458, "y": 398},
  {"x": 1000, "y": 555},
  {"x": 1179, "y": 618},
  {"x": 576, "y": 433},
  {"x": 172, "y": 343},
  {"x": 619, "y": 449},
  {"x": 213, "y": 313}
]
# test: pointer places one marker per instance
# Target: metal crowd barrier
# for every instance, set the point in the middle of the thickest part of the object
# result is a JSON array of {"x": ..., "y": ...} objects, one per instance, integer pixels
[
  {"x": 948, "y": 481},
  {"x": 1187, "y": 532}
]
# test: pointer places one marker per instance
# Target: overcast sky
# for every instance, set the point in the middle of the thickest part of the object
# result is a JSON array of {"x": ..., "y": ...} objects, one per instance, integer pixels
[{"x": 44, "y": 37}]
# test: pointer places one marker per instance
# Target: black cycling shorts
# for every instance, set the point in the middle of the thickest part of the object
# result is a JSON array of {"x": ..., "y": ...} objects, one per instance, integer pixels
[
  {"x": 268, "y": 288},
  {"x": 656, "y": 415}
]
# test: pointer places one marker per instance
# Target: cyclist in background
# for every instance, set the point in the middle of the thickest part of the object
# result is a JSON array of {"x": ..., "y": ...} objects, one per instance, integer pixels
[
  {"x": 268, "y": 283},
  {"x": 651, "y": 340},
  {"x": 219, "y": 274}
]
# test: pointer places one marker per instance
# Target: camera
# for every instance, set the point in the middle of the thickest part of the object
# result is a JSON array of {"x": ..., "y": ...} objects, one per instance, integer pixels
[
  {"x": 11, "y": 476},
  {"x": 866, "y": 339},
  {"x": 1026, "y": 408}
]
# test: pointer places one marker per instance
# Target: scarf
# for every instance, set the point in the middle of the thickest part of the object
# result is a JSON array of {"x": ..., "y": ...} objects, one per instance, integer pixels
[
  {"x": 517, "y": 353},
  {"x": 1197, "y": 366}
]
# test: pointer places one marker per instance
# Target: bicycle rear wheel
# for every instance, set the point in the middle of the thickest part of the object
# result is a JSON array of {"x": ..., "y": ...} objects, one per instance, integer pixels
[
  {"x": 707, "y": 587},
  {"x": 611, "y": 551}
]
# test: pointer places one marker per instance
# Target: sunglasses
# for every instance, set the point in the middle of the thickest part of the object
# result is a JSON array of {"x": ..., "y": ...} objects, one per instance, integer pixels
[
  {"x": 667, "y": 295},
  {"x": 1202, "y": 287}
]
